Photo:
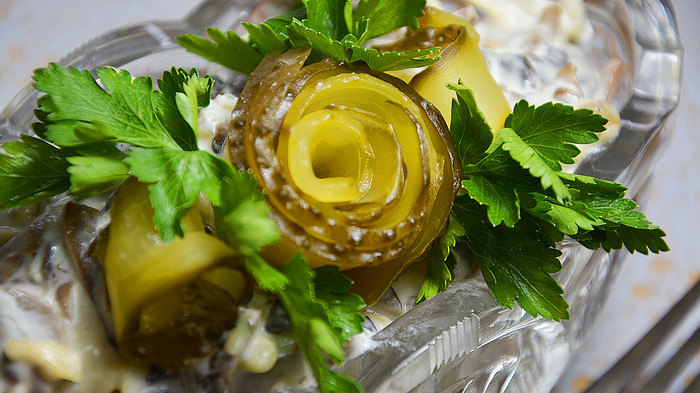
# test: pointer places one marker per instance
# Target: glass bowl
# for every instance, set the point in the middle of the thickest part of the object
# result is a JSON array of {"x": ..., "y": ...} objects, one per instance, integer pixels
[{"x": 461, "y": 340}]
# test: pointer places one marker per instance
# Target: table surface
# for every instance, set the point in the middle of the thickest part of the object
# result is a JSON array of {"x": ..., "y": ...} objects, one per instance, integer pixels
[{"x": 34, "y": 32}]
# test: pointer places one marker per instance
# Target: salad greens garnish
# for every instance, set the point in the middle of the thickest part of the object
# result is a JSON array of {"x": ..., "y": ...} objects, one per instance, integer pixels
[
  {"x": 517, "y": 203},
  {"x": 330, "y": 27},
  {"x": 516, "y": 263}
]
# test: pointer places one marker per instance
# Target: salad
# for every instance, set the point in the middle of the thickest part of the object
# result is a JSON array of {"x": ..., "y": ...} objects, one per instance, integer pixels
[{"x": 353, "y": 154}]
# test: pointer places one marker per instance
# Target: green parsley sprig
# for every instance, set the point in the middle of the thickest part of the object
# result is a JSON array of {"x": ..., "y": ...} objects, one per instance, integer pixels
[
  {"x": 330, "y": 27},
  {"x": 324, "y": 316},
  {"x": 441, "y": 262},
  {"x": 519, "y": 203}
]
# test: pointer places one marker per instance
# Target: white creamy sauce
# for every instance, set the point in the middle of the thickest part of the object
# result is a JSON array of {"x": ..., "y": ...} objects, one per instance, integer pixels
[
  {"x": 213, "y": 119},
  {"x": 534, "y": 48}
]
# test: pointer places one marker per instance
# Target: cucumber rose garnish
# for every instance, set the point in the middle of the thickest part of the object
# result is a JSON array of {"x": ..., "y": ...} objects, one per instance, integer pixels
[{"x": 359, "y": 169}]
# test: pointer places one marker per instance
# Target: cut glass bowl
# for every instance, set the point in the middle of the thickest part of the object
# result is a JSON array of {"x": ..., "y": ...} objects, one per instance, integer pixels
[{"x": 461, "y": 340}]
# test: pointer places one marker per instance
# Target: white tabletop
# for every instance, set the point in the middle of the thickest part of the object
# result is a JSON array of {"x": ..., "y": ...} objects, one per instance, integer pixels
[{"x": 34, "y": 32}]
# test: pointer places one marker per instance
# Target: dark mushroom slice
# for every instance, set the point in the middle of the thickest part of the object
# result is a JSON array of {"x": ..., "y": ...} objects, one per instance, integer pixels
[{"x": 84, "y": 231}]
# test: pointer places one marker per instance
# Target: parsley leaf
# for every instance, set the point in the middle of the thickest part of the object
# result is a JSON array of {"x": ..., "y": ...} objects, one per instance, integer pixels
[
  {"x": 516, "y": 264},
  {"x": 324, "y": 315},
  {"x": 323, "y": 46},
  {"x": 232, "y": 51},
  {"x": 498, "y": 181},
  {"x": 31, "y": 171},
  {"x": 621, "y": 223},
  {"x": 94, "y": 175},
  {"x": 541, "y": 138},
  {"x": 439, "y": 273},
  {"x": 373, "y": 18},
  {"x": 245, "y": 214},
  {"x": 267, "y": 277},
  {"x": 390, "y": 61},
  {"x": 332, "y": 287},
  {"x": 328, "y": 17},
  {"x": 614, "y": 237},
  {"x": 600, "y": 216},
  {"x": 550, "y": 129},
  {"x": 162, "y": 147},
  {"x": 470, "y": 130},
  {"x": 491, "y": 180},
  {"x": 265, "y": 39},
  {"x": 526, "y": 155},
  {"x": 163, "y": 152},
  {"x": 183, "y": 93},
  {"x": 79, "y": 111},
  {"x": 279, "y": 23},
  {"x": 320, "y": 334},
  {"x": 178, "y": 178},
  {"x": 569, "y": 219},
  {"x": 227, "y": 49}
]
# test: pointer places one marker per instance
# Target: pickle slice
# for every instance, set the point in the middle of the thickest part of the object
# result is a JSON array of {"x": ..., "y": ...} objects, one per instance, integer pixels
[
  {"x": 461, "y": 59},
  {"x": 170, "y": 301},
  {"x": 359, "y": 170}
]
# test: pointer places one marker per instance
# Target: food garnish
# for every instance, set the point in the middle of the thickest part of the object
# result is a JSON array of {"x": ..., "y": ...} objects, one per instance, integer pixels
[
  {"x": 357, "y": 172},
  {"x": 330, "y": 27}
]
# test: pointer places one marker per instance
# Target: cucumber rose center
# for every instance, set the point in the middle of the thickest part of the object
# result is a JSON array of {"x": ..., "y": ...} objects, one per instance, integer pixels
[{"x": 331, "y": 156}]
